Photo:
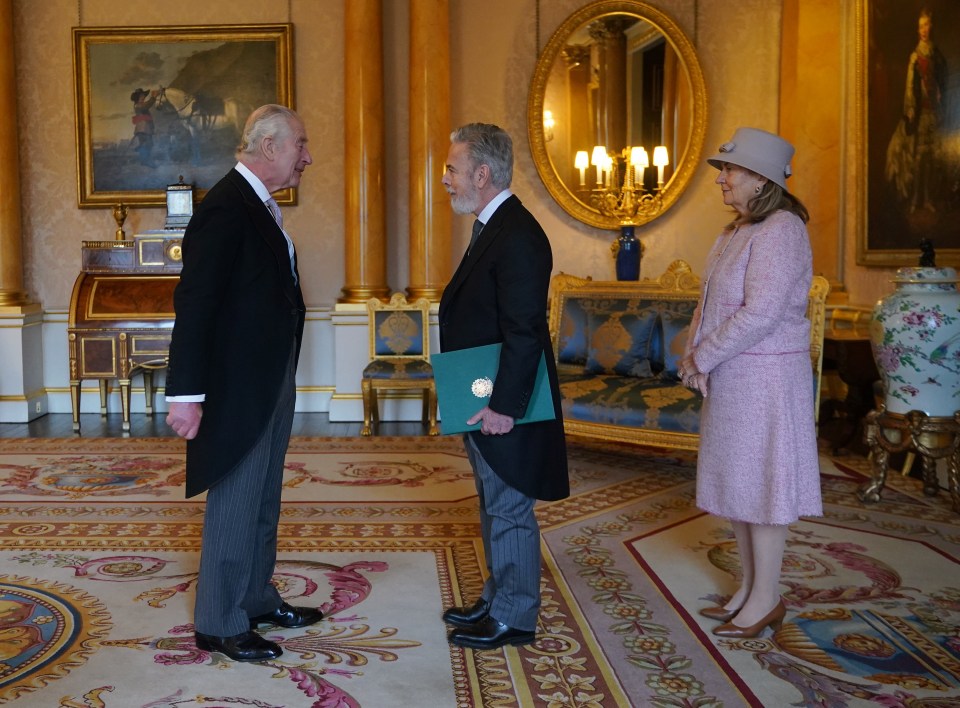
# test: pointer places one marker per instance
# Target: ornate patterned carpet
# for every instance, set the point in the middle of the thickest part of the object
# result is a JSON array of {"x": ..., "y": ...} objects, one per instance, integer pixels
[{"x": 98, "y": 557}]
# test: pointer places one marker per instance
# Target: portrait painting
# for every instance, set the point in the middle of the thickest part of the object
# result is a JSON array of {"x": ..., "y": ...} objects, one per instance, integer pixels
[
  {"x": 911, "y": 123},
  {"x": 157, "y": 106}
]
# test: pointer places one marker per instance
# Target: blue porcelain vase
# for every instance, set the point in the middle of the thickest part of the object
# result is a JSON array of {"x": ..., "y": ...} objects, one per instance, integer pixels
[
  {"x": 628, "y": 254},
  {"x": 915, "y": 335}
]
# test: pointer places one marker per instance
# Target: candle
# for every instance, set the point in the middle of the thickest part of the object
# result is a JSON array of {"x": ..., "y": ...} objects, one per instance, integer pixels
[
  {"x": 661, "y": 160},
  {"x": 581, "y": 161},
  {"x": 640, "y": 162},
  {"x": 548, "y": 123},
  {"x": 598, "y": 159}
]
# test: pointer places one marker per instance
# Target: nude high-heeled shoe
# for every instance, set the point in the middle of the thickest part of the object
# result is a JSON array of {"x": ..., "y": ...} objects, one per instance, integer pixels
[
  {"x": 773, "y": 619},
  {"x": 720, "y": 614}
]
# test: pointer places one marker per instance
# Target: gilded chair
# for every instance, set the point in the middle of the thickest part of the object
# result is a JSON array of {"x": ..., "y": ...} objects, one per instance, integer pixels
[
  {"x": 399, "y": 357},
  {"x": 816, "y": 313}
]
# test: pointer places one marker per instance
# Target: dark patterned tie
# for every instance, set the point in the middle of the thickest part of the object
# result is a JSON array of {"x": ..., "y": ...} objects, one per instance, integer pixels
[{"x": 477, "y": 228}]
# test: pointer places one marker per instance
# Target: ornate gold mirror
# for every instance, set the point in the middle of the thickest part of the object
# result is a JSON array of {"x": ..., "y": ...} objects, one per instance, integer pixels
[{"x": 617, "y": 113}]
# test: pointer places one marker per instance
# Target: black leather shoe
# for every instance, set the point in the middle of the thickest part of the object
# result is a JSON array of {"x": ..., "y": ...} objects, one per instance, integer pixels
[
  {"x": 467, "y": 616},
  {"x": 488, "y": 633},
  {"x": 288, "y": 616},
  {"x": 246, "y": 646}
]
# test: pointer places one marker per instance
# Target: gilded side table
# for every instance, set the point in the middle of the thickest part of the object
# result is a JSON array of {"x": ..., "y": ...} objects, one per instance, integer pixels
[{"x": 933, "y": 438}]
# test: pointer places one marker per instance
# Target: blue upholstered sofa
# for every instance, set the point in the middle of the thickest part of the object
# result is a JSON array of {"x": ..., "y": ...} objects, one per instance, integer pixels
[{"x": 618, "y": 344}]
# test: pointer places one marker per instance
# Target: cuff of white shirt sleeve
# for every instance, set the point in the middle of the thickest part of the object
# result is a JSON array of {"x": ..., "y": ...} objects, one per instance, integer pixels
[{"x": 196, "y": 398}]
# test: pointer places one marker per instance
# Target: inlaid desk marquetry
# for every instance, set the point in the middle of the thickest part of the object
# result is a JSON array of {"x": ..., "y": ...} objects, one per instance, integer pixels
[{"x": 121, "y": 316}]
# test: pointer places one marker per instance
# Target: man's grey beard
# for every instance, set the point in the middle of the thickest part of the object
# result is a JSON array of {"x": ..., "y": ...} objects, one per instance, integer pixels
[{"x": 464, "y": 204}]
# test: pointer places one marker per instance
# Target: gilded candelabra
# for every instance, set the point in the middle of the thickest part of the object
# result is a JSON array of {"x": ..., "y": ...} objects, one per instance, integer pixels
[
  {"x": 120, "y": 215},
  {"x": 620, "y": 190}
]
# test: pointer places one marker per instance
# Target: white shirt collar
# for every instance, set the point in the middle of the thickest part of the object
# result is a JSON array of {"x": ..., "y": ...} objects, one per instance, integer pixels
[
  {"x": 254, "y": 181},
  {"x": 264, "y": 195},
  {"x": 493, "y": 205}
]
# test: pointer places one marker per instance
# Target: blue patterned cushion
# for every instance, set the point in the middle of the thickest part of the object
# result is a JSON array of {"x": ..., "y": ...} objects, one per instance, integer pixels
[
  {"x": 620, "y": 343},
  {"x": 573, "y": 336},
  {"x": 674, "y": 328},
  {"x": 398, "y": 333},
  {"x": 398, "y": 369},
  {"x": 650, "y": 403}
]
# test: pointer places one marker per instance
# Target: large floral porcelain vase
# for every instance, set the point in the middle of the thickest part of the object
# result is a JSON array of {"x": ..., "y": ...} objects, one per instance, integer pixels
[{"x": 915, "y": 334}]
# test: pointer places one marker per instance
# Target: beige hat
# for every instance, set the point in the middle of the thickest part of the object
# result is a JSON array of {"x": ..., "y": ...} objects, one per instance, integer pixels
[{"x": 757, "y": 150}]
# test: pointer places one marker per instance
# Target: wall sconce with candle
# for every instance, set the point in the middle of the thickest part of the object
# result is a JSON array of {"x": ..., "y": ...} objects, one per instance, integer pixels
[{"x": 548, "y": 125}]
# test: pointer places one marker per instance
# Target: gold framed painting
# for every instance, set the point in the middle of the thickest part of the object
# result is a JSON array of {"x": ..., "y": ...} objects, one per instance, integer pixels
[
  {"x": 159, "y": 105},
  {"x": 908, "y": 106}
]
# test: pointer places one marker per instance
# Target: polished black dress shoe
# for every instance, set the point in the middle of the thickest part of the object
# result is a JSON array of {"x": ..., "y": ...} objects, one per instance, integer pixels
[
  {"x": 288, "y": 616},
  {"x": 246, "y": 646},
  {"x": 488, "y": 633},
  {"x": 467, "y": 616}
]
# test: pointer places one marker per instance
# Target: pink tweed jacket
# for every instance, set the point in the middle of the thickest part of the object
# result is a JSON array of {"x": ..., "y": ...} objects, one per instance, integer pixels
[{"x": 754, "y": 293}]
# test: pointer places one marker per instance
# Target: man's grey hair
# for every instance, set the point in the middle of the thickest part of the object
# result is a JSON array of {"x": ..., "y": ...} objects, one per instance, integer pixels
[
  {"x": 269, "y": 121},
  {"x": 490, "y": 145}
]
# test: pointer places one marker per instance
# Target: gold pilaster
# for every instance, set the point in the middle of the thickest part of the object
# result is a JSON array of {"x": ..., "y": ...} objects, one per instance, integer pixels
[
  {"x": 365, "y": 214},
  {"x": 430, "y": 219},
  {"x": 11, "y": 249},
  {"x": 611, "y": 108},
  {"x": 577, "y": 61}
]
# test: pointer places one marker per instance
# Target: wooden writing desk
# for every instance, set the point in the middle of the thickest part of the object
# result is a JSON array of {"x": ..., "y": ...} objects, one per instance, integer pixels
[{"x": 121, "y": 315}]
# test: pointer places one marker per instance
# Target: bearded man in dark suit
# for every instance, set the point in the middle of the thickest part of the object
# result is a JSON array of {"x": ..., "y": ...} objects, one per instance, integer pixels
[
  {"x": 233, "y": 357},
  {"x": 499, "y": 294}
]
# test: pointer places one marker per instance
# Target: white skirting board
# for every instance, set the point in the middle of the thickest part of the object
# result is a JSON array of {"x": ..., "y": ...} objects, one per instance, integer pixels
[{"x": 35, "y": 375}]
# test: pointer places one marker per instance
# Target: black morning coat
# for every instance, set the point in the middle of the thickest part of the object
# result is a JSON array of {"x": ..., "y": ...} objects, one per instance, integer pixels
[
  {"x": 499, "y": 294},
  {"x": 239, "y": 314}
]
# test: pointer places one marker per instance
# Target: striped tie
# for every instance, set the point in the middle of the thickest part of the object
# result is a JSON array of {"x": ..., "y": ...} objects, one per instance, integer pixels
[
  {"x": 275, "y": 210},
  {"x": 278, "y": 217}
]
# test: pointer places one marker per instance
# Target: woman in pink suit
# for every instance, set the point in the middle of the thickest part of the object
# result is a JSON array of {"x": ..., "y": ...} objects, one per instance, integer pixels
[{"x": 748, "y": 354}]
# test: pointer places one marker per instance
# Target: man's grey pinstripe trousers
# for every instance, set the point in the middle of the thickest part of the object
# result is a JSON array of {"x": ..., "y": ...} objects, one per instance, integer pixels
[
  {"x": 239, "y": 547},
  {"x": 511, "y": 543}
]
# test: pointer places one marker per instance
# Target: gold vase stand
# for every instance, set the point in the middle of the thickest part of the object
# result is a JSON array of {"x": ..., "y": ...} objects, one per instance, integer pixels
[{"x": 933, "y": 438}]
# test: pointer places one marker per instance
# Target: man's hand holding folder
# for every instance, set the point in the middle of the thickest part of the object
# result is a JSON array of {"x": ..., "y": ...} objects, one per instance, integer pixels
[{"x": 465, "y": 380}]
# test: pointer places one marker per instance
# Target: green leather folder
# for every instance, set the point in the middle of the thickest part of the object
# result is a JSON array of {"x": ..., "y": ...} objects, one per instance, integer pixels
[{"x": 465, "y": 380}]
